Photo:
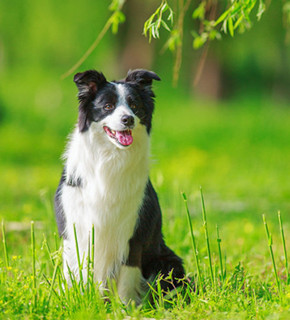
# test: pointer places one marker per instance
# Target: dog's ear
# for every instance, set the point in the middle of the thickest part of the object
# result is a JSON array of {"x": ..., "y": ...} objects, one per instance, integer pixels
[
  {"x": 142, "y": 77},
  {"x": 89, "y": 82}
]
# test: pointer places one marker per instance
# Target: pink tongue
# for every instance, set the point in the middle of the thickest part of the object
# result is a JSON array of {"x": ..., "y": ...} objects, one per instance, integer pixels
[{"x": 124, "y": 137}]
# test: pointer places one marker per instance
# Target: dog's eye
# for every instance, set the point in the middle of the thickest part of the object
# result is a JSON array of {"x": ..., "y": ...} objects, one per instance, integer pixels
[
  {"x": 109, "y": 106},
  {"x": 133, "y": 107}
]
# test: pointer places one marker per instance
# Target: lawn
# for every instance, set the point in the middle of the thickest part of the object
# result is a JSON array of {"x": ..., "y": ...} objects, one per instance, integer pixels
[{"x": 237, "y": 151}]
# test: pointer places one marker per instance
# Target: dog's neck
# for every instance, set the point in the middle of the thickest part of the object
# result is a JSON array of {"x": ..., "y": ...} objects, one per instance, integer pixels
[{"x": 92, "y": 153}]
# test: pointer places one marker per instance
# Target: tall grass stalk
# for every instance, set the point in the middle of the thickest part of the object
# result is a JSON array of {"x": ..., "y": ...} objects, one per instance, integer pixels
[
  {"x": 270, "y": 243},
  {"x": 195, "y": 251},
  {"x": 206, "y": 237},
  {"x": 48, "y": 249},
  {"x": 93, "y": 253},
  {"x": 56, "y": 265},
  {"x": 78, "y": 257},
  {"x": 219, "y": 240},
  {"x": 33, "y": 264},
  {"x": 56, "y": 241},
  {"x": 4, "y": 245},
  {"x": 88, "y": 263},
  {"x": 284, "y": 246},
  {"x": 60, "y": 276}
]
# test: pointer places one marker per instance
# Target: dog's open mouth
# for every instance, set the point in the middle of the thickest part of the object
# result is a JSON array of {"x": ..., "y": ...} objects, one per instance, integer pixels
[{"x": 122, "y": 137}]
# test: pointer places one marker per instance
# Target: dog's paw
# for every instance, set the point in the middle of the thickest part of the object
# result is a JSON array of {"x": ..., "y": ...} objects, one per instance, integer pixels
[{"x": 130, "y": 285}]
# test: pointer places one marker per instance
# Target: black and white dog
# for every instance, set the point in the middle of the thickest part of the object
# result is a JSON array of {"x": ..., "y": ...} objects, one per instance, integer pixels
[{"x": 105, "y": 183}]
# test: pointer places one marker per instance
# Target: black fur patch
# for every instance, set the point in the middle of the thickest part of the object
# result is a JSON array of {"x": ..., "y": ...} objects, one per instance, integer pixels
[
  {"x": 88, "y": 83},
  {"x": 148, "y": 250},
  {"x": 74, "y": 181}
]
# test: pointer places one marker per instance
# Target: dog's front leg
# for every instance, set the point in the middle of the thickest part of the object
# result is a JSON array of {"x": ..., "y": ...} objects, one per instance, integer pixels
[{"x": 131, "y": 284}]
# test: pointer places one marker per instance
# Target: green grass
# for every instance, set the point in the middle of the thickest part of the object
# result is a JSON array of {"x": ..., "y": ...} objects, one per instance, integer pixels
[
  {"x": 237, "y": 151},
  {"x": 33, "y": 286}
]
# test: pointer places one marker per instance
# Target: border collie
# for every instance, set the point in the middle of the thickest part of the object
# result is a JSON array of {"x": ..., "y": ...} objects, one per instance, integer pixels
[{"x": 105, "y": 183}]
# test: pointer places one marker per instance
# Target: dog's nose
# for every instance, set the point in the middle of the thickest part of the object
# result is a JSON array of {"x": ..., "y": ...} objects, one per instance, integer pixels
[{"x": 128, "y": 120}]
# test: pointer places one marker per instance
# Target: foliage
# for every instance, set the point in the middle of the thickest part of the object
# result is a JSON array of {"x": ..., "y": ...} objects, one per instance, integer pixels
[
  {"x": 153, "y": 24},
  {"x": 237, "y": 16}
]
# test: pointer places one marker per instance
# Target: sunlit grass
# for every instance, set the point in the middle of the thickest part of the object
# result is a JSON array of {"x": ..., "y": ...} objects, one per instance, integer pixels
[
  {"x": 33, "y": 285},
  {"x": 238, "y": 153}
]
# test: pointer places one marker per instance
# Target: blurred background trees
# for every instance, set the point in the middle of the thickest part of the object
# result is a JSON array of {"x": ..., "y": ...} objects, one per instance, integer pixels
[
  {"x": 42, "y": 40},
  {"x": 225, "y": 126}
]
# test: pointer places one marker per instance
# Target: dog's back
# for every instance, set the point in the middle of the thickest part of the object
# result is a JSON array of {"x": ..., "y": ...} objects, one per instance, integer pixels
[{"x": 105, "y": 184}]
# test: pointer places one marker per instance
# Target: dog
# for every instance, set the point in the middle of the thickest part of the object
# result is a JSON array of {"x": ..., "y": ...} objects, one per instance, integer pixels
[{"x": 105, "y": 183}]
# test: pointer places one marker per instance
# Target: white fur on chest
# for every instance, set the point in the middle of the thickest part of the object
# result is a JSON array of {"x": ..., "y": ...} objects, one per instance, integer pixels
[{"x": 112, "y": 190}]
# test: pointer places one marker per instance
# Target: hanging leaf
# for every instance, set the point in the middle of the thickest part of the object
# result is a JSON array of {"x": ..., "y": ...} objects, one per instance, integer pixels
[
  {"x": 231, "y": 26},
  {"x": 261, "y": 10},
  {"x": 117, "y": 18},
  {"x": 153, "y": 24},
  {"x": 199, "y": 12}
]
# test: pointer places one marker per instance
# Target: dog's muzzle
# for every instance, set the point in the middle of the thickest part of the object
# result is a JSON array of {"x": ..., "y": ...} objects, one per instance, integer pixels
[{"x": 124, "y": 138}]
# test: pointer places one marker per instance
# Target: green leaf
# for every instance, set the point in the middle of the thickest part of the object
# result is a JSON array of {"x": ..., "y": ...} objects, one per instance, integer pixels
[
  {"x": 164, "y": 7},
  {"x": 170, "y": 16},
  {"x": 199, "y": 41},
  {"x": 199, "y": 12},
  {"x": 154, "y": 22},
  {"x": 165, "y": 25},
  {"x": 261, "y": 10},
  {"x": 117, "y": 18},
  {"x": 224, "y": 27},
  {"x": 214, "y": 34},
  {"x": 222, "y": 17},
  {"x": 237, "y": 7},
  {"x": 237, "y": 23},
  {"x": 116, "y": 5},
  {"x": 231, "y": 26},
  {"x": 152, "y": 30}
]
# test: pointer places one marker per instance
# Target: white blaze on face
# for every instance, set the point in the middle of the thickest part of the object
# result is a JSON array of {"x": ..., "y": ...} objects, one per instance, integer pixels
[
  {"x": 113, "y": 126},
  {"x": 122, "y": 108}
]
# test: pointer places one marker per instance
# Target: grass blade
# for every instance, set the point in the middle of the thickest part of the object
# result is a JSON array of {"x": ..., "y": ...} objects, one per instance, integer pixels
[
  {"x": 56, "y": 265},
  {"x": 284, "y": 246},
  {"x": 4, "y": 245},
  {"x": 195, "y": 251},
  {"x": 33, "y": 264},
  {"x": 48, "y": 249},
  {"x": 270, "y": 242},
  {"x": 219, "y": 240},
  {"x": 88, "y": 264},
  {"x": 78, "y": 254},
  {"x": 93, "y": 252},
  {"x": 206, "y": 237},
  {"x": 56, "y": 242}
]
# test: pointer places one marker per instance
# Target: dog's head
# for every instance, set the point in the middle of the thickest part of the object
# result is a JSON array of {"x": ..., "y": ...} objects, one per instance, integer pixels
[{"x": 118, "y": 106}]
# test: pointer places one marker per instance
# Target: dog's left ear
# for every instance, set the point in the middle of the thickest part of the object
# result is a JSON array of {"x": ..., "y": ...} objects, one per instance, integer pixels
[
  {"x": 142, "y": 77},
  {"x": 89, "y": 82}
]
